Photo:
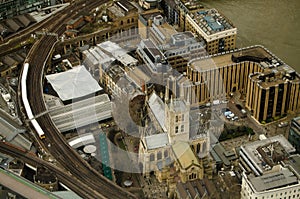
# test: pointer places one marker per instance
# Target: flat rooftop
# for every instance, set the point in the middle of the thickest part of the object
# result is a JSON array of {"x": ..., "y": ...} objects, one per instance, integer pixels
[
  {"x": 152, "y": 48},
  {"x": 220, "y": 151},
  {"x": 259, "y": 151},
  {"x": 164, "y": 31},
  {"x": 294, "y": 162},
  {"x": 183, "y": 36},
  {"x": 254, "y": 53},
  {"x": 276, "y": 76},
  {"x": 192, "y": 4},
  {"x": 138, "y": 76},
  {"x": 273, "y": 180},
  {"x": 211, "y": 21}
]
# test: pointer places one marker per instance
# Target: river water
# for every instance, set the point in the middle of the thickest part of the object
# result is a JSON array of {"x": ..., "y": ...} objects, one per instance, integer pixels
[{"x": 272, "y": 23}]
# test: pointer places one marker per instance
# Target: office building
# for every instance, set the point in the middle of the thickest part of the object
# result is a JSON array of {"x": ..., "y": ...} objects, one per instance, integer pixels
[
  {"x": 160, "y": 32},
  {"x": 171, "y": 11},
  {"x": 186, "y": 7},
  {"x": 154, "y": 59},
  {"x": 216, "y": 30},
  {"x": 182, "y": 48},
  {"x": 215, "y": 77},
  {"x": 270, "y": 170},
  {"x": 263, "y": 156},
  {"x": 294, "y": 133},
  {"x": 271, "y": 93},
  {"x": 284, "y": 183},
  {"x": 251, "y": 71},
  {"x": 178, "y": 47}
]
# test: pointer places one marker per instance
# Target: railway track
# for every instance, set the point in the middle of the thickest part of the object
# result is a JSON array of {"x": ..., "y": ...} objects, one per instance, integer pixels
[
  {"x": 62, "y": 175},
  {"x": 9, "y": 43},
  {"x": 59, "y": 148}
]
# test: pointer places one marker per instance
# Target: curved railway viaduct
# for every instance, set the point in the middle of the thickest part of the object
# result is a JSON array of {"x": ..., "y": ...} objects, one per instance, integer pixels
[{"x": 59, "y": 148}]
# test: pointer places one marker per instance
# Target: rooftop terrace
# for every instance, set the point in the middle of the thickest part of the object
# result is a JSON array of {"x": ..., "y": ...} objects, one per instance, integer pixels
[
  {"x": 254, "y": 53},
  {"x": 276, "y": 76},
  {"x": 211, "y": 21}
]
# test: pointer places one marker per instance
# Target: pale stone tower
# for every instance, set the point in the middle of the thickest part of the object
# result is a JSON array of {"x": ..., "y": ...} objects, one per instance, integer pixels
[{"x": 176, "y": 117}]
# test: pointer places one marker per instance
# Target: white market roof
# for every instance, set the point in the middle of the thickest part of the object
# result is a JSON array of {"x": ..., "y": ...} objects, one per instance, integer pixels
[{"x": 74, "y": 83}]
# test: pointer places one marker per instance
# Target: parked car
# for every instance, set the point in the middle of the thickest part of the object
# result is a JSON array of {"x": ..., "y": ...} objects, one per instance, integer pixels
[
  {"x": 216, "y": 102},
  {"x": 282, "y": 124},
  {"x": 235, "y": 118},
  {"x": 227, "y": 113}
]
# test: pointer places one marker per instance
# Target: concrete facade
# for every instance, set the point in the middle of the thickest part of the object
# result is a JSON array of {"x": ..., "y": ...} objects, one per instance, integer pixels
[{"x": 294, "y": 133}]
